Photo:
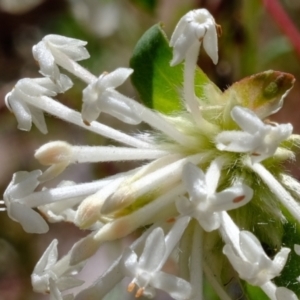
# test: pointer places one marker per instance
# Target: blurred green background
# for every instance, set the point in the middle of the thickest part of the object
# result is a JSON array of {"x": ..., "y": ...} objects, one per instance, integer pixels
[{"x": 252, "y": 41}]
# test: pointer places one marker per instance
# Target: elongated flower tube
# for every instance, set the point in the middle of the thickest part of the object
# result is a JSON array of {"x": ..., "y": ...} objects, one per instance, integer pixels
[{"x": 207, "y": 191}]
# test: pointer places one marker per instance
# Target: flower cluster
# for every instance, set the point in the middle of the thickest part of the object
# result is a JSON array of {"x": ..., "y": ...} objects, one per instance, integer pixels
[{"x": 214, "y": 167}]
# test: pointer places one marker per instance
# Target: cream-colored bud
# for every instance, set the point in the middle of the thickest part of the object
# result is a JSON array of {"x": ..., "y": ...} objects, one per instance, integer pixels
[
  {"x": 54, "y": 153},
  {"x": 88, "y": 211}
]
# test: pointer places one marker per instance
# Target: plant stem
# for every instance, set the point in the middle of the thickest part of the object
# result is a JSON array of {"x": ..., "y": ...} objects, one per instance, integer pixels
[{"x": 284, "y": 22}]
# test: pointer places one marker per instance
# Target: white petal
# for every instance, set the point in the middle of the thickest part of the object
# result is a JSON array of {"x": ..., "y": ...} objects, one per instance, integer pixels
[
  {"x": 20, "y": 110},
  {"x": 282, "y": 293},
  {"x": 231, "y": 198},
  {"x": 181, "y": 47},
  {"x": 48, "y": 258},
  {"x": 154, "y": 251},
  {"x": 73, "y": 48},
  {"x": 213, "y": 174},
  {"x": 46, "y": 60},
  {"x": 245, "y": 269},
  {"x": 251, "y": 247},
  {"x": 246, "y": 119},
  {"x": 116, "y": 78},
  {"x": 129, "y": 260},
  {"x": 38, "y": 119},
  {"x": 297, "y": 249},
  {"x": 184, "y": 206},
  {"x": 37, "y": 87},
  {"x": 235, "y": 141},
  {"x": 179, "y": 29},
  {"x": 280, "y": 260},
  {"x": 30, "y": 220},
  {"x": 208, "y": 221},
  {"x": 55, "y": 294},
  {"x": 68, "y": 282},
  {"x": 176, "y": 287},
  {"x": 194, "y": 180},
  {"x": 210, "y": 43},
  {"x": 24, "y": 183}
]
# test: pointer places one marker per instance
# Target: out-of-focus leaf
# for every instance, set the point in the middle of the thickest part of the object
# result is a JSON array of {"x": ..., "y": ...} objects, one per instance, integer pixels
[
  {"x": 276, "y": 48},
  {"x": 263, "y": 92},
  {"x": 158, "y": 84},
  {"x": 148, "y": 5}
]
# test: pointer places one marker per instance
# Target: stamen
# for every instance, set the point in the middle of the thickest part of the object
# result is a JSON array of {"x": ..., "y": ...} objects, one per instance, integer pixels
[
  {"x": 139, "y": 293},
  {"x": 131, "y": 287}
]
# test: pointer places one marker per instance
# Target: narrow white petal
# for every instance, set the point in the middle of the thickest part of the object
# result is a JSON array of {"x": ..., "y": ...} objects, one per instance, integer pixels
[
  {"x": 235, "y": 141},
  {"x": 153, "y": 252},
  {"x": 46, "y": 60},
  {"x": 194, "y": 180},
  {"x": 251, "y": 247},
  {"x": 130, "y": 262},
  {"x": 282, "y": 293},
  {"x": 210, "y": 43},
  {"x": 280, "y": 260},
  {"x": 20, "y": 110},
  {"x": 232, "y": 198},
  {"x": 213, "y": 174},
  {"x": 48, "y": 258},
  {"x": 116, "y": 78},
  {"x": 176, "y": 287},
  {"x": 246, "y": 119},
  {"x": 31, "y": 221}
]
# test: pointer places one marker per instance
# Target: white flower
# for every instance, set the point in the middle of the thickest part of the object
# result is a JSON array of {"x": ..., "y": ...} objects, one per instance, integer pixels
[
  {"x": 49, "y": 273},
  {"x": 23, "y": 184},
  {"x": 193, "y": 28},
  {"x": 205, "y": 203},
  {"x": 57, "y": 49},
  {"x": 28, "y": 90},
  {"x": 100, "y": 96},
  {"x": 253, "y": 265},
  {"x": 146, "y": 273},
  {"x": 257, "y": 138}
]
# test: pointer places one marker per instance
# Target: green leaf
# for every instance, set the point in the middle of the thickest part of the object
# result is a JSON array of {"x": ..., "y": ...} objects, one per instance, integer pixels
[
  {"x": 254, "y": 292},
  {"x": 158, "y": 84}
]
